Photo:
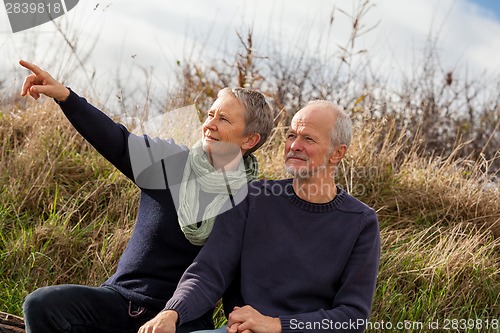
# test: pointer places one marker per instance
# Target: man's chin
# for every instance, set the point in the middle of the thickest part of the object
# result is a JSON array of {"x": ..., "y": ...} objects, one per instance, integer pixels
[{"x": 295, "y": 172}]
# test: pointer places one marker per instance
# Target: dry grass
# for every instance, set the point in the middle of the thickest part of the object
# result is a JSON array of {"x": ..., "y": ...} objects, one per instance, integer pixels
[
  {"x": 67, "y": 213},
  {"x": 60, "y": 200},
  {"x": 439, "y": 218},
  {"x": 437, "y": 272},
  {"x": 412, "y": 186}
]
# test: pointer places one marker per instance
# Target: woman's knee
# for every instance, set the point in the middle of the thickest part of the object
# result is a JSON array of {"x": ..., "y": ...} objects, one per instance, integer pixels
[
  {"x": 45, "y": 309},
  {"x": 45, "y": 299},
  {"x": 34, "y": 302},
  {"x": 42, "y": 294}
]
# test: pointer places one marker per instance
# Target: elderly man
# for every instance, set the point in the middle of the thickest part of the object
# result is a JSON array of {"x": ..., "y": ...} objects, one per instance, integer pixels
[
  {"x": 302, "y": 253},
  {"x": 181, "y": 193}
]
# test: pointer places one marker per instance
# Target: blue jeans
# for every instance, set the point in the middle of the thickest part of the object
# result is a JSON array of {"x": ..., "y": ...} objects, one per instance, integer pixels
[
  {"x": 219, "y": 330},
  {"x": 81, "y": 309}
]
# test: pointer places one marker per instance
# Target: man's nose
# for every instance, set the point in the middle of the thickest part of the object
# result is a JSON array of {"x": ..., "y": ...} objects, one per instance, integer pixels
[{"x": 296, "y": 145}]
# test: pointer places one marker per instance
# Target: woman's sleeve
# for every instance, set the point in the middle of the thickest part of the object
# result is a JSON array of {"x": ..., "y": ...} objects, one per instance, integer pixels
[{"x": 133, "y": 155}]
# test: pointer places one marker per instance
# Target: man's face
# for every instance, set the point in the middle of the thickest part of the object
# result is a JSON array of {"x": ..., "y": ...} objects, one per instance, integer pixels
[
  {"x": 308, "y": 145},
  {"x": 224, "y": 127}
]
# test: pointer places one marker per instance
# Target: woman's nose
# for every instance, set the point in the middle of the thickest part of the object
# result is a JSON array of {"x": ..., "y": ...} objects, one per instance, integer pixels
[{"x": 210, "y": 123}]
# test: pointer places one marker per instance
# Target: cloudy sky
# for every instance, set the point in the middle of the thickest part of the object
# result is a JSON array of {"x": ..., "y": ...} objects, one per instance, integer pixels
[{"x": 111, "y": 37}]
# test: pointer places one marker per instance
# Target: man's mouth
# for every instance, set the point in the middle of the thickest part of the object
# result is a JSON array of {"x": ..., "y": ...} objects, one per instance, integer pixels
[{"x": 296, "y": 157}]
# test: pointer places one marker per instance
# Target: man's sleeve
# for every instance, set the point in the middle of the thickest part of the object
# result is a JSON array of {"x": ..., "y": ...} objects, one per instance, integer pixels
[
  {"x": 204, "y": 282},
  {"x": 352, "y": 304}
]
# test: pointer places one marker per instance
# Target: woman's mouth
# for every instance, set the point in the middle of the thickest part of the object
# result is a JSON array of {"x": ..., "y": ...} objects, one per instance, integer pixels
[{"x": 210, "y": 138}]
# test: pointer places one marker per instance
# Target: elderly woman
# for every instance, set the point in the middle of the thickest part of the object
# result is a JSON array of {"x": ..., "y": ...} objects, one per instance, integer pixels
[{"x": 182, "y": 190}]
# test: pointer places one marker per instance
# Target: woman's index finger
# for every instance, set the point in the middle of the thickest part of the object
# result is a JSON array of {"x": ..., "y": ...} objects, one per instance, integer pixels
[{"x": 32, "y": 67}]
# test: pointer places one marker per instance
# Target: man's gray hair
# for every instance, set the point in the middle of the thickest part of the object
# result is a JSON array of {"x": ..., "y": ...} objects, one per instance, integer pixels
[
  {"x": 341, "y": 133},
  {"x": 258, "y": 116}
]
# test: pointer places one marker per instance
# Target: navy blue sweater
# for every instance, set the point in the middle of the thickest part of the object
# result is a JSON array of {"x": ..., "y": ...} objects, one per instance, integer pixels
[
  {"x": 158, "y": 252},
  {"x": 312, "y": 265}
]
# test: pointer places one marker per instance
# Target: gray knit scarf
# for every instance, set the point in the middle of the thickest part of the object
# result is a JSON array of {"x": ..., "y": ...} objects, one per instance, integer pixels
[{"x": 199, "y": 174}]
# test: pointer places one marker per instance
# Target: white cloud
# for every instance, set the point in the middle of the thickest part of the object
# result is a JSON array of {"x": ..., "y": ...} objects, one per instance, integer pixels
[
  {"x": 467, "y": 35},
  {"x": 159, "y": 33}
]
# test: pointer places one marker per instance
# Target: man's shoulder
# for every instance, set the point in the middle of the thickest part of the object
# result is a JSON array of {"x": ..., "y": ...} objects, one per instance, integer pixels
[{"x": 351, "y": 204}]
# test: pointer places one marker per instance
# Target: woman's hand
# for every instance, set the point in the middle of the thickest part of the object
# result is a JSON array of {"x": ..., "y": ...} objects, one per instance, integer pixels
[
  {"x": 164, "y": 322},
  {"x": 40, "y": 82}
]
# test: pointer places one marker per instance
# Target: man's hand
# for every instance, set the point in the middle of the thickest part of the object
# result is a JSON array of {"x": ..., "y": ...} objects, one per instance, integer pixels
[
  {"x": 247, "y": 320},
  {"x": 164, "y": 322},
  {"x": 40, "y": 82}
]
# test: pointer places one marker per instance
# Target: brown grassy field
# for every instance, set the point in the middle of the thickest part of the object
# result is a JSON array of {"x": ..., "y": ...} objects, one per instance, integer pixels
[{"x": 67, "y": 214}]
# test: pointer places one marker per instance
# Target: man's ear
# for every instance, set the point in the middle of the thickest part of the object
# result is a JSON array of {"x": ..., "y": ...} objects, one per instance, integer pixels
[
  {"x": 338, "y": 154},
  {"x": 250, "y": 141}
]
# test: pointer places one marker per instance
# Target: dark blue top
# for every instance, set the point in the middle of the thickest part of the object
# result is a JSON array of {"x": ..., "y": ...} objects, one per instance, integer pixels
[
  {"x": 158, "y": 252},
  {"x": 312, "y": 265}
]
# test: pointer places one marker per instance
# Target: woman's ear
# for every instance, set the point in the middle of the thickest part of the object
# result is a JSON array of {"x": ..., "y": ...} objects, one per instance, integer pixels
[{"x": 251, "y": 141}]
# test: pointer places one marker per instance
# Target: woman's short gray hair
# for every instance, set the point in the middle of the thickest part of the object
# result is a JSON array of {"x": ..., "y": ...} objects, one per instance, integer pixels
[
  {"x": 341, "y": 133},
  {"x": 258, "y": 116}
]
